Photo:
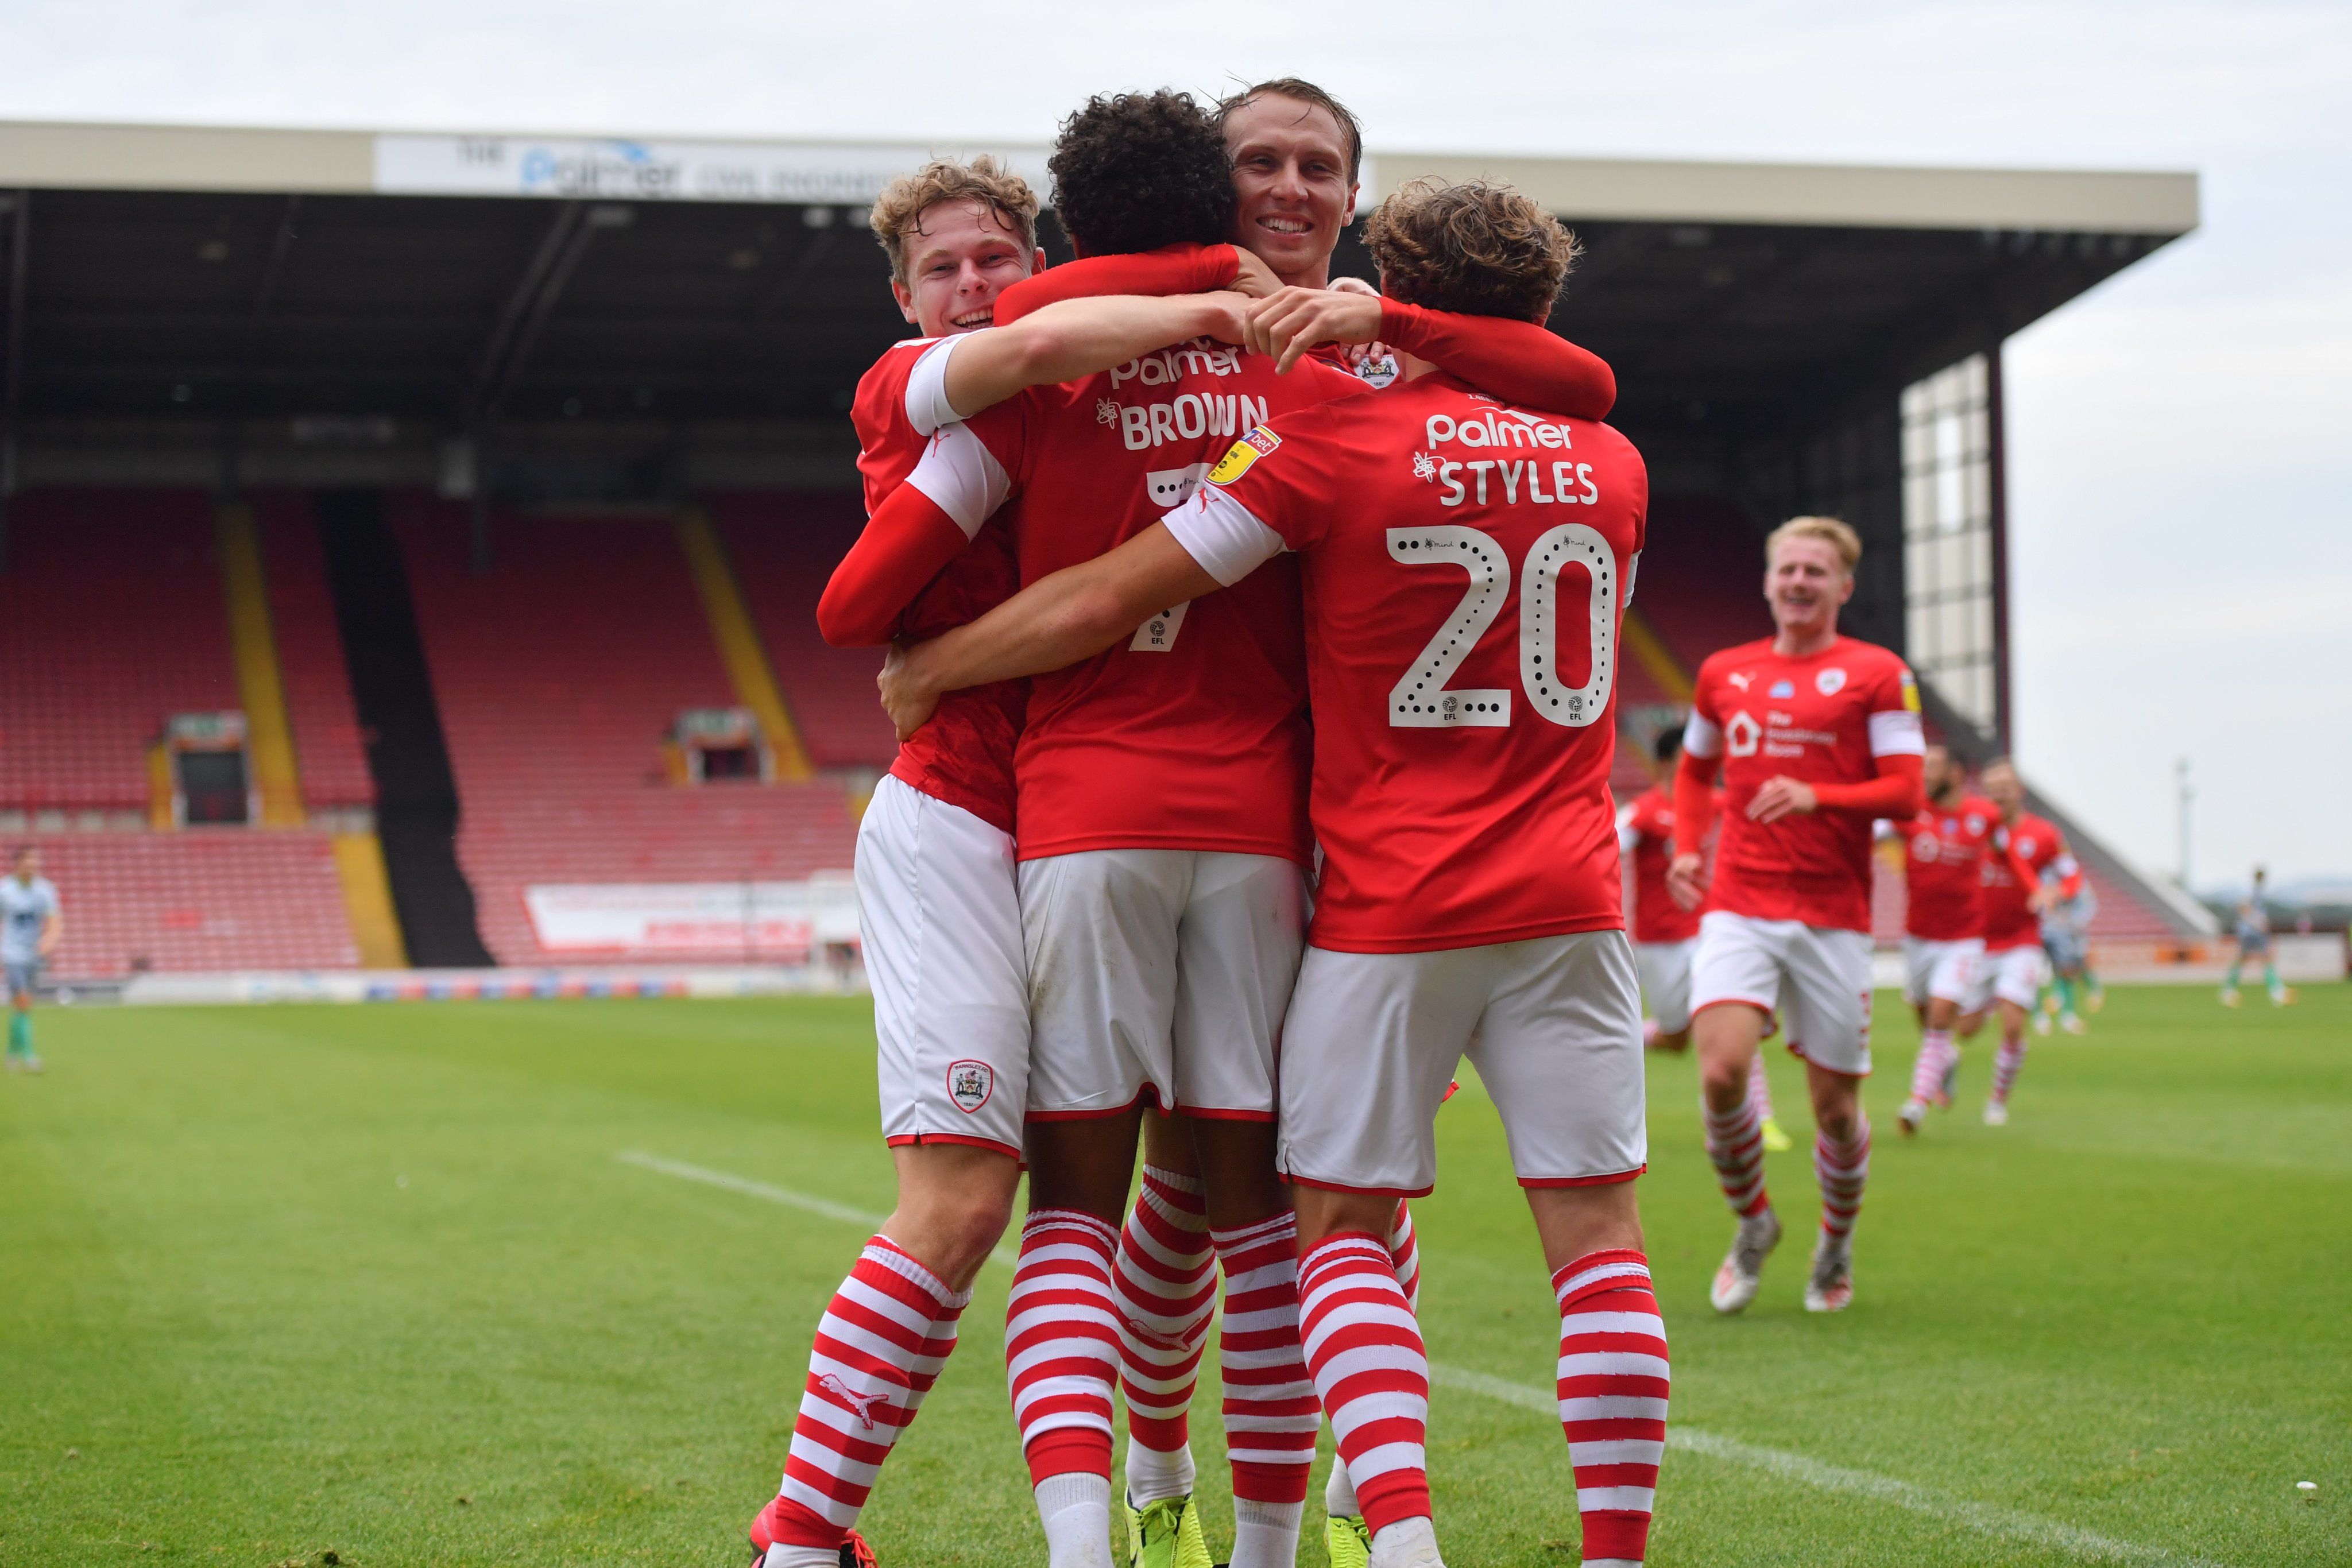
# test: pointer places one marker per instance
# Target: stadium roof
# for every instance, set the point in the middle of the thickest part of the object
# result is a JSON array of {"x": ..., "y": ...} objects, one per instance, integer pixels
[{"x": 439, "y": 282}]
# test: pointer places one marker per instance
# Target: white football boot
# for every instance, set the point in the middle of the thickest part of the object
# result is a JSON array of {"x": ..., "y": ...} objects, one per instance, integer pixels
[
  {"x": 1830, "y": 1286},
  {"x": 1742, "y": 1274}
]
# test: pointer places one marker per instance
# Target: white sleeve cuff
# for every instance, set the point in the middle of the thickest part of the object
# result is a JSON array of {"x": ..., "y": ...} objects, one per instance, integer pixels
[
  {"x": 927, "y": 389},
  {"x": 962, "y": 477},
  {"x": 1896, "y": 734},
  {"x": 1702, "y": 737},
  {"x": 1223, "y": 536}
]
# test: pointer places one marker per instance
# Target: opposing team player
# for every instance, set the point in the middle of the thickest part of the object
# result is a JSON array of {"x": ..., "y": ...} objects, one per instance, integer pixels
[
  {"x": 1164, "y": 840},
  {"x": 31, "y": 926},
  {"x": 934, "y": 868},
  {"x": 1817, "y": 734},
  {"x": 1664, "y": 932},
  {"x": 2254, "y": 933},
  {"x": 1944, "y": 850},
  {"x": 1470, "y": 900},
  {"x": 2028, "y": 871},
  {"x": 2074, "y": 987}
]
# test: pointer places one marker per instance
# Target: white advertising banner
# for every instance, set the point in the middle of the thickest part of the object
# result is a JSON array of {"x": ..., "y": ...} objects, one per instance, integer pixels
[
  {"x": 740, "y": 921},
  {"x": 616, "y": 169}
]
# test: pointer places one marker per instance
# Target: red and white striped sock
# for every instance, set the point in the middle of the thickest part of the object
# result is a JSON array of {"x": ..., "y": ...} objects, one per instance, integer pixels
[
  {"x": 1927, "y": 1070},
  {"x": 1061, "y": 1343},
  {"x": 1612, "y": 1399},
  {"x": 1734, "y": 1143},
  {"x": 879, "y": 1347},
  {"x": 1370, "y": 1372},
  {"x": 1842, "y": 1169},
  {"x": 1272, "y": 1417},
  {"x": 1406, "y": 1250},
  {"x": 1165, "y": 1285},
  {"x": 1759, "y": 1087},
  {"x": 2005, "y": 1066}
]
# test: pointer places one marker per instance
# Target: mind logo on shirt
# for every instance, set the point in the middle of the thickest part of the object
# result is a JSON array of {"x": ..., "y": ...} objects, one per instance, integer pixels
[{"x": 1742, "y": 734}]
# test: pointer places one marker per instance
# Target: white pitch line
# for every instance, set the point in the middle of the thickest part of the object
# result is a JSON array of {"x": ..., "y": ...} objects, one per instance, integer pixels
[
  {"x": 2028, "y": 1528},
  {"x": 2032, "y": 1530},
  {"x": 824, "y": 1207}
]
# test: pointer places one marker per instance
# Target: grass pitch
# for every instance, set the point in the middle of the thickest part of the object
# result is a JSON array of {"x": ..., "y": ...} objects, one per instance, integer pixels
[{"x": 281, "y": 1282}]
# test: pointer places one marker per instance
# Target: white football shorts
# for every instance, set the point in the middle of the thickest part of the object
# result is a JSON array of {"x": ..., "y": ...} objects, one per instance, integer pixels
[
  {"x": 1940, "y": 971},
  {"x": 1817, "y": 979},
  {"x": 2012, "y": 974},
  {"x": 1159, "y": 972},
  {"x": 1665, "y": 981},
  {"x": 1553, "y": 1025},
  {"x": 942, "y": 926}
]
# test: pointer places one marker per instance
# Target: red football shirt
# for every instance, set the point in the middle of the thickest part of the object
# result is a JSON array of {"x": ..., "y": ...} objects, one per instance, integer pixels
[
  {"x": 1193, "y": 734},
  {"x": 1466, "y": 566},
  {"x": 965, "y": 756},
  {"x": 2037, "y": 846},
  {"x": 1944, "y": 853},
  {"x": 1650, "y": 823},
  {"x": 1820, "y": 719}
]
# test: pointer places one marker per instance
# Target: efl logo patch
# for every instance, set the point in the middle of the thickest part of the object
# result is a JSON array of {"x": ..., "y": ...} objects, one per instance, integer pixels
[
  {"x": 1910, "y": 693},
  {"x": 1242, "y": 454},
  {"x": 1830, "y": 682},
  {"x": 969, "y": 1083}
]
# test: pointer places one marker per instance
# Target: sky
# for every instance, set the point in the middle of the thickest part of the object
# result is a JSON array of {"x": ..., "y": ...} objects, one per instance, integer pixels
[{"x": 2180, "y": 437}]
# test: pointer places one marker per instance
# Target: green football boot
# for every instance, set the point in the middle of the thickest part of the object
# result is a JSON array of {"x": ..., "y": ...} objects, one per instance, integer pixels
[
  {"x": 1349, "y": 1540},
  {"x": 1164, "y": 1534}
]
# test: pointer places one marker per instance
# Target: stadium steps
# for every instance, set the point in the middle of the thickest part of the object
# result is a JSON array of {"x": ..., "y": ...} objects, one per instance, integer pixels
[
  {"x": 329, "y": 750},
  {"x": 408, "y": 757},
  {"x": 560, "y": 672}
]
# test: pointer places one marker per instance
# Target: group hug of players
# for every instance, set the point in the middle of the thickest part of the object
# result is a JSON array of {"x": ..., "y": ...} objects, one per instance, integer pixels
[{"x": 1132, "y": 520}]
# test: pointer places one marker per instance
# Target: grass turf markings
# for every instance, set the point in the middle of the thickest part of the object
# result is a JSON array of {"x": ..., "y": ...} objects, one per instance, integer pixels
[{"x": 2025, "y": 1527}]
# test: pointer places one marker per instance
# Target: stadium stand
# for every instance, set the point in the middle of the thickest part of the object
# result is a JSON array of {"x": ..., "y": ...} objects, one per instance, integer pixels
[
  {"x": 112, "y": 620},
  {"x": 203, "y": 900},
  {"x": 328, "y": 743},
  {"x": 785, "y": 546},
  {"x": 559, "y": 673},
  {"x": 1700, "y": 583}
]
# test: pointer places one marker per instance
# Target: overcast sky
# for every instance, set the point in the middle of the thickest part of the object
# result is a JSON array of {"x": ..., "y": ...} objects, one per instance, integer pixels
[{"x": 2181, "y": 437}]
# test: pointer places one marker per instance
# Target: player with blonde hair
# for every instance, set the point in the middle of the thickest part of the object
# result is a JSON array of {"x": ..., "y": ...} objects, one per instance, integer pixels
[{"x": 1817, "y": 735}]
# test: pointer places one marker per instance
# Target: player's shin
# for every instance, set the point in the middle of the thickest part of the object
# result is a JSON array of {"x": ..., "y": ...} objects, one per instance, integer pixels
[
  {"x": 1061, "y": 1356},
  {"x": 1735, "y": 1145},
  {"x": 1841, "y": 1165},
  {"x": 1363, "y": 1348},
  {"x": 1165, "y": 1286},
  {"x": 878, "y": 1349},
  {"x": 1270, "y": 1408},
  {"x": 1612, "y": 1388}
]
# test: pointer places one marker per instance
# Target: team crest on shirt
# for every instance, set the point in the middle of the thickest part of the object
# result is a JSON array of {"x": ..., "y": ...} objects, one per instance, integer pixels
[
  {"x": 1242, "y": 454},
  {"x": 1976, "y": 822},
  {"x": 1927, "y": 847},
  {"x": 1783, "y": 690},
  {"x": 969, "y": 1083},
  {"x": 1741, "y": 735},
  {"x": 1830, "y": 682}
]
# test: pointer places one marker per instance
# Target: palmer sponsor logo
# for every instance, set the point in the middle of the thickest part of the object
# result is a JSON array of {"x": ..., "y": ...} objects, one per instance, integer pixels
[
  {"x": 1505, "y": 427},
  {"x": 1194, "y": 359}
]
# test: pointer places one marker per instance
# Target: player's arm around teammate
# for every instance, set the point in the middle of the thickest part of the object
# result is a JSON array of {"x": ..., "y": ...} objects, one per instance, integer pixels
[{"x": 1818, "y": 736}]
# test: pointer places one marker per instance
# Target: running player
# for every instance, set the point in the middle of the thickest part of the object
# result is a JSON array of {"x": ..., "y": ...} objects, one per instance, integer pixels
[
  {"x": 2028, "y": 853},
  {"x": 30, "y": 929},
  {"x": 1470, "y": 897},
  {"x": 1163, "y": 899},
  {"x": 2074, "y": 987},
  {"x": 2254, "y": 932},
  {"x": 1665, "y": 932},
  {"x": 934, "y": 866},
  {"x": 1817, "y": 735},
  {"x": 1944, "y": 850}
]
